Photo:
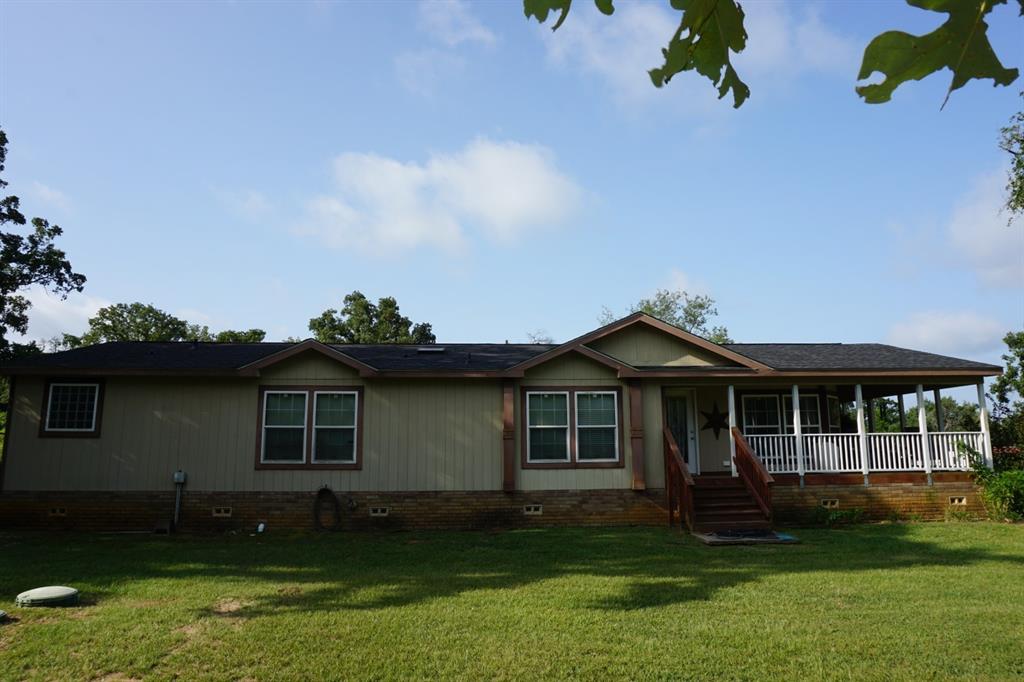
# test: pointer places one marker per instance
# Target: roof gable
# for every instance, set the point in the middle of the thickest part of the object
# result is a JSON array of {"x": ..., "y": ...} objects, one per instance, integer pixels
[
  {"x": 587, "y": 343},
  {"x": 641, "y": 345},
  {"x": 305, "y": 346}
]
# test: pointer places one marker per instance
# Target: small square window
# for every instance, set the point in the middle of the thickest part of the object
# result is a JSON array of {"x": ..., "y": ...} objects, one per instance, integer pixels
[{"x": 72, "y": 407}]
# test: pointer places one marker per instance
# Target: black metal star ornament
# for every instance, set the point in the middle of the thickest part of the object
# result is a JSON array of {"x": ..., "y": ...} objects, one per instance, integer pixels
[{"x": 716, "y": 420}]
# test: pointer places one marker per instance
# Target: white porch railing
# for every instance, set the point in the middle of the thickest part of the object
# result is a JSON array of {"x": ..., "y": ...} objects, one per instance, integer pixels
[
  {"x": 840, "y": 452},
  {"x": 776, "y": 452},
  {"x": 832, "y": 452},
  {"x": 895, "y": 452},
  {"x": 946, "y": 456}
]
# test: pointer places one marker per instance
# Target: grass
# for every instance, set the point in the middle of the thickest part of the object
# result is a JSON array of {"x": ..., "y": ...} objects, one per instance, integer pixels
[{"x": 901, "y": 601}]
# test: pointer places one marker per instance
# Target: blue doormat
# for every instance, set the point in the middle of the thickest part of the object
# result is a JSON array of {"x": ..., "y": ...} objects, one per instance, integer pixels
[{"x": 746, "y": 537}]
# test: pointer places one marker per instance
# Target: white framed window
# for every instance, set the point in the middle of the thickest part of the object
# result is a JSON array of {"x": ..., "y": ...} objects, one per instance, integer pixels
[
  {"x": 72, "y": 407},
  {"x": 597, "y": 426},
  {"x": 835, "y": 414},
  {"x": 810, "y": 414},
  {"x": 334, "y": 426},
  {"x": 547, "y": 415},
  {"x": 284, "y": 427},
  {"x": 761, "y": 415}
]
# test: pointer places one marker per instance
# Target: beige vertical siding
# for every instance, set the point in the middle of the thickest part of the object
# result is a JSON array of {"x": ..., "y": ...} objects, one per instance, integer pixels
[
  {"x": 418, "y": 435},
  {"x": 642, "y": 346}
]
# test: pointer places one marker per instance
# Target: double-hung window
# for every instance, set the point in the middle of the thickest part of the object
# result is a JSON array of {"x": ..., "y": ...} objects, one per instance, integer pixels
[
  {"x": 761, "y": 415},
  {"x": 314, "y": 426},
  {"x": 72, "y": 408},
  {"x": 810, "y": 417},
  {"x": 548, "y": 427},
  {"x": 597, "y": 427},
  {"x": 572, "y": 427},
  {"x": 334, "y": 426},
  {"x": 284, "y": 427}
]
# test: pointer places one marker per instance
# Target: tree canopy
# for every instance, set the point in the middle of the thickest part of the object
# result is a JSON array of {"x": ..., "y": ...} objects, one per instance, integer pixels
[
  {"x": 27, "y": 260},
  {"x": 360, "y": 321},
  {"x": 711, "y": 31},
  {"x": 690, "y": 313},
  {"x": 1011, "y": 141},
  {"x": 146, "y": 322}
]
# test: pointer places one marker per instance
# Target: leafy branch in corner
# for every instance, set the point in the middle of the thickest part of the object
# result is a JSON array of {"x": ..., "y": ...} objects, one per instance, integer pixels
[{"x": 711, "y": 31}]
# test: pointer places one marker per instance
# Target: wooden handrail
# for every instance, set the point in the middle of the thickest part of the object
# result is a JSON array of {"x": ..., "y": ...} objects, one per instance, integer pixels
[
  {"x": 753, "y": 473},
  {"x": 678, "y": 483}
]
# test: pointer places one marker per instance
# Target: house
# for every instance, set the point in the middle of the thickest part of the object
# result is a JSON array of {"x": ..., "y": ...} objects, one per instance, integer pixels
[{"x": 614, "y": 427}]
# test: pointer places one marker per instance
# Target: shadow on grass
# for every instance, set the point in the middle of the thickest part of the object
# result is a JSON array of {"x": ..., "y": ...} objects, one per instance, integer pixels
[{"x": 315, "y": 573}]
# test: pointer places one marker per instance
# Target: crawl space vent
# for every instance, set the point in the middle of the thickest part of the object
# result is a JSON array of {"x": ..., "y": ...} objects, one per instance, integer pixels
[
  {"x": 830, "y": 503},
  {"x": 533, "y": 509}
]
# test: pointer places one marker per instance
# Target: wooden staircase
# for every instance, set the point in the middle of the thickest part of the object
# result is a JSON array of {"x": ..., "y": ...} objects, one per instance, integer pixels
[
  {"x": 725, "y": 503},
  {"x": 718, "y": 503}
]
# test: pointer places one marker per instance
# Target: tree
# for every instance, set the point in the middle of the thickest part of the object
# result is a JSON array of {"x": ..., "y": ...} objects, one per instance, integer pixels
[
  {"x": 233, "y": 336},
  {"x": 1007, "y": 393},
  {"x": 710, "y": 31},
  {"x": 360, "y": 321},
  {"x": 1011, "y": 141},
  {"x": 677, "y": 307},
  {"x": 145, "y": 322},
  {"x": 956, "y": 416},
  {"x": 27, "y": 260},
  {"x": 539, "y": 336}
]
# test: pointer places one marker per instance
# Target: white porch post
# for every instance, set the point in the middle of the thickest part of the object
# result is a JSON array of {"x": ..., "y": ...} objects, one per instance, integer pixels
[
  {"x": 986, "y": 435},
  {"x": 922, "y": 425},
  {"x": 732, "y": 425},
  {"x": 862, "y": 432},
  {"x": 798, "y": 434}
]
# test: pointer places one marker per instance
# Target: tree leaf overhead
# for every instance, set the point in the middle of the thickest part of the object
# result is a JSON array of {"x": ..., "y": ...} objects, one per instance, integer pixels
[
  {"x": 960, "y": 44},
  {"x": 709, "y": 30}
]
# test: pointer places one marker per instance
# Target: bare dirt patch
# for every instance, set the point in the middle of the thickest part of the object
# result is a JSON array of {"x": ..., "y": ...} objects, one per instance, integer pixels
[{"x": 228, "y": 607}]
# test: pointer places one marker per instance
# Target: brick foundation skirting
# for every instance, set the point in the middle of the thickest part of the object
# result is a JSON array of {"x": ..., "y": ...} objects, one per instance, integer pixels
[
  {"x": 144, "y": 511},
  {"x": 888, "y": 497},
  {"x": 903, "y": 496}
]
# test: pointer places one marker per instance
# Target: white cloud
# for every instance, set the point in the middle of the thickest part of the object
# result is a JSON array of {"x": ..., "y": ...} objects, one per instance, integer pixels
[
  {"x": 452, "y": 23},
  {"x": 497, "y": 189},
  {"x": 621, "y": 49},
  {"x": 956, "y": 333},
  {"x": 422, "y": 71},
  {"x": 49, "y": 195},
  {"x": 980, "y": 238},
  {"x": 50, "y": 316}
]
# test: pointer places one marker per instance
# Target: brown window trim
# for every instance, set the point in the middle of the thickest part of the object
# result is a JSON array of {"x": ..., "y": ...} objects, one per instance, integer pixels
[
  {"x": 45, "y": 413},
  {"x": 307, "y": 463},
  {"x": 573, "y": 463}
]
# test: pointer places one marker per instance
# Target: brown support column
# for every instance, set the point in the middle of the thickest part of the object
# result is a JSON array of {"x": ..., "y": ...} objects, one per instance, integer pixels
[
  {"x": 508, "y": 435},
  {"x": 871, "y": 415},
  {"x": 940, "y": 417},
  {"x": 636, "y": 433},
  {"x": 903, "y": 413}
]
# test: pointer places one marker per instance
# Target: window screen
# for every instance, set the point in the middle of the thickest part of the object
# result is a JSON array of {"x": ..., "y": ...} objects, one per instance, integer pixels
[{"x": 72, "y": 407}]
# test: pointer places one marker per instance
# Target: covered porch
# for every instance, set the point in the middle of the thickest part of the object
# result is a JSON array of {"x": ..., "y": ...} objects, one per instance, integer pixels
[{"x": 819, "y": 430}]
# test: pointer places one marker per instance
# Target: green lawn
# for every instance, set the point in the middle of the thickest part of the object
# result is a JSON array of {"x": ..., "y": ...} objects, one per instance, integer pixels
[{"x": 884, "y": 601}]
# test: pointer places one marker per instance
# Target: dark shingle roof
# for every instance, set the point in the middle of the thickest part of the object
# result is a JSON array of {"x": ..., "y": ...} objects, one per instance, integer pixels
[
  {"x": 456, "y": 356},
  {"x": 184, "y": 356},
  {"x": 212, "y": 357},
  {"x": 856, "y": 356}
]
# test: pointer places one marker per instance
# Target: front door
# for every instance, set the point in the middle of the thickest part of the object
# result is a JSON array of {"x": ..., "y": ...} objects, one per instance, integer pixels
[{"x": 677, "y": 419}]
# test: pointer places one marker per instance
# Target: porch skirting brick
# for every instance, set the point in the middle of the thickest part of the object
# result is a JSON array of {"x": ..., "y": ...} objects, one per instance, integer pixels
[
  {"x": 903, "y": 496},
  {"x": 144, "y": 511}
]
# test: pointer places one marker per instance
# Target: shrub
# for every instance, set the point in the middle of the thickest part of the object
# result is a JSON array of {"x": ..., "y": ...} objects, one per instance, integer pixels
[
  {"x": 1008, "y": 458},
  {"x": 953, "y": 514},
  {"x": 1001, "y": 491},
  {"x": 838, "y": 517}
]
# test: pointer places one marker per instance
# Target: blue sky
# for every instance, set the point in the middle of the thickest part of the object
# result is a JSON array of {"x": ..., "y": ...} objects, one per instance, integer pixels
[{"x": 247, "y": 164}]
